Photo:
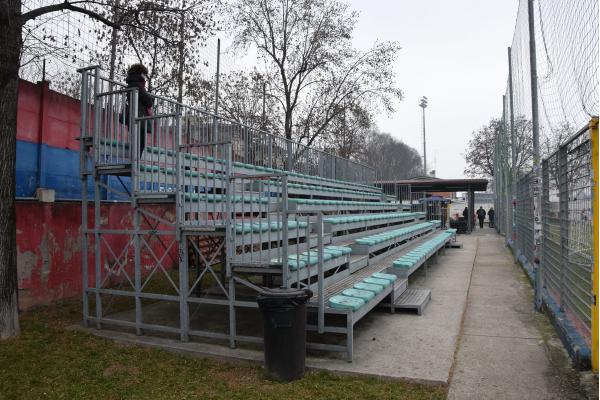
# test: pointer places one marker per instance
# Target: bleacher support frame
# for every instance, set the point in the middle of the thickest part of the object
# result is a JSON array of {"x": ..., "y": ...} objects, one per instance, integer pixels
[{"x": 202, "y": 178}]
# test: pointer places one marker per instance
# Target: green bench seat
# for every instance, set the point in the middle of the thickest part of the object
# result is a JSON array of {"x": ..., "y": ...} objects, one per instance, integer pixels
[
  {"x": 311, "y": 257},
  {"x": 257, "y": 227},
  {"x": 368, "y": 286},
  {"x": 218, "y": 198},
  {"x": 366, "y": 217},
  {"x": 362, "y": 292},
  {"x": 388, "y": 277},
  {"x": 365, "y": 295},
  {"x": 412, "y": 257},
  {"x": 377, "y": 281},
  {"x": 383, "y": 237},
  {"x": 341, "y": 302}
]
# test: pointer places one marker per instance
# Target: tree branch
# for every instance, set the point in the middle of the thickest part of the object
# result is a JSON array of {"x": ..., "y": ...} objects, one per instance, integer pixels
[{"x": 38, "y": 12}]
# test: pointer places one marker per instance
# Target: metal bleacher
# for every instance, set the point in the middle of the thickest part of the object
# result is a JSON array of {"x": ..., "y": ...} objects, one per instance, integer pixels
[{"x": 220, "y": 210}]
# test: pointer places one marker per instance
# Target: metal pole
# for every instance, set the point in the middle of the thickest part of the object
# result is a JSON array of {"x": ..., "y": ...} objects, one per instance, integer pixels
[
  {"x": 595, "y": 187},
  {"x": 470, "y": 207},
  {"x": 321, "y": 276},
  {"x": 537, "y": 200},
  {"x": 181, "y": 59},
  {"x": 264, "y": 114},
  {"x": 513, "y": 149},
  {"x": 500, "y": 148},
  {"x": 424, "y": 146},
  {"x": 84, "y": 196},
  {"x": 113, "y": 42},
  {"x": 217, "y": 91},
  {"x": 230, "y": 244}
]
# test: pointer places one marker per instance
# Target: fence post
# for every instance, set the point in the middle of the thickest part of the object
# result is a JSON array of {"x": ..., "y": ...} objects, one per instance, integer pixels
[
  {"x": 513, "y": 153},
  {"x": 595, "y": 191},
  {"x": 537, "y": 228},
  {"x": 563, "y": 206}
]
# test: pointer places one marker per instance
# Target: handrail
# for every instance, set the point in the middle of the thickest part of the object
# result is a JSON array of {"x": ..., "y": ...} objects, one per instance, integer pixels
[{"x": 300, "y": 148}]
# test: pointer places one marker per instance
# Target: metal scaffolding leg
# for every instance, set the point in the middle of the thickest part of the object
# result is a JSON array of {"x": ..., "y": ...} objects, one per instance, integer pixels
[
  {"x": 184, "y": 308},
  {"x": 138, "y": 268},
  {"x": 97, "y": 253}
]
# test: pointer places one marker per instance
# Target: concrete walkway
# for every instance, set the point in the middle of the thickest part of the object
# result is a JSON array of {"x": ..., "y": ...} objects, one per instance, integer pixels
[{"x": 506, "y": 350}]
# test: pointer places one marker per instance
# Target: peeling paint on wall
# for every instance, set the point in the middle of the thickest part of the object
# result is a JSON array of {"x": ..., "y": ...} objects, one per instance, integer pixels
[{"x": 49, "y": 258}]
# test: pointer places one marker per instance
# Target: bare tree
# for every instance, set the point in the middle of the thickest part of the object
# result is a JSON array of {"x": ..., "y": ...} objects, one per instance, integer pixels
[
  {"x": 12, "y": 21},
  {"x": 396, "y": 159},
  {"x": 313, "y": 70},
  {"x": 481, "y": 148},
  {"x": 172, "y": 50},
  {"x": 244, "y": 98},
  {"x": 553, "y": 139},
  {"x": 346, "y": 135}
]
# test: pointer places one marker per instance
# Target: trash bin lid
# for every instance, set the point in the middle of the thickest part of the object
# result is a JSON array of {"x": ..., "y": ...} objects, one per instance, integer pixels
[{"x": 283, "y": 298}]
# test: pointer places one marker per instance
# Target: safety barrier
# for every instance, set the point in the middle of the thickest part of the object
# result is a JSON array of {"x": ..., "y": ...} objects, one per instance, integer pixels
[{"x": 567, "y": 265}]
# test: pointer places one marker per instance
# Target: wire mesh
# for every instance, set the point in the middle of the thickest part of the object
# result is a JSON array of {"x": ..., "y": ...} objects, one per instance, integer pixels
[
  {"x": 566, "y": 36},
  {"x": 524, "y": 220}
]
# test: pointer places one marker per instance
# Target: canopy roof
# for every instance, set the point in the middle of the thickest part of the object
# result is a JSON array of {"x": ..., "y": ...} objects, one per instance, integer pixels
[{"x": 442, "y": 185}]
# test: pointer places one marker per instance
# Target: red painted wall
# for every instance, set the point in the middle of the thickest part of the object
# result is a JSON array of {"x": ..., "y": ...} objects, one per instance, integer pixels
[
  {"x": 49, "y": 236},
  {"x": 45, "y": 116},
  {"x": 49, "y": 251}
]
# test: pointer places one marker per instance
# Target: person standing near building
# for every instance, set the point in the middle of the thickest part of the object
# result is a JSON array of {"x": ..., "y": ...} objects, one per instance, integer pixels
[
  {"x": 491, "y": 213},
  {"x": 481, "y": 216}
]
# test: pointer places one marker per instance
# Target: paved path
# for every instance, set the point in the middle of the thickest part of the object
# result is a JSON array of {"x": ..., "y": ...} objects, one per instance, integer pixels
[{"x": 506, "y": 350}]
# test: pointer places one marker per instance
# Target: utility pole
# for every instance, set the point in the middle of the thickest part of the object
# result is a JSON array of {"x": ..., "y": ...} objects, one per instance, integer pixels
[
  {"x": 423, "y": 105},
  {"x": 537, "y": 200}
]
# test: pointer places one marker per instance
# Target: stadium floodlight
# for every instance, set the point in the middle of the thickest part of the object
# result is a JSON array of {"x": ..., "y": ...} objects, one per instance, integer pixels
[{"x": 423, "y": 105}]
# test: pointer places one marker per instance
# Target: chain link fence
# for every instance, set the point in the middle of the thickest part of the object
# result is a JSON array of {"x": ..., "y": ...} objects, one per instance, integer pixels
[
  {"x": 524, "y": 221},
  {"x": 567, "y": 218},
  {"x": 566, "y": 252},
  {"x": 557, "y": 249}
]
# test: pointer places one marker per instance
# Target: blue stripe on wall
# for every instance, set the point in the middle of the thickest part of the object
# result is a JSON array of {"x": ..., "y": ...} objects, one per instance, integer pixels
[
  {"x": 27, "y": 167},
  {"x": 61, "y": 171}
]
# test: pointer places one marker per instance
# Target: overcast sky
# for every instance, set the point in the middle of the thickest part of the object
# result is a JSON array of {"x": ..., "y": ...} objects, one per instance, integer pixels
[{"x": 453, "y": 52}]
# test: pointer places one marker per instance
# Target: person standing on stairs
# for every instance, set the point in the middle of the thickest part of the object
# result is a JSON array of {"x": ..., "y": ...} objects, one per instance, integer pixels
[{"x": 137, "y": 77}]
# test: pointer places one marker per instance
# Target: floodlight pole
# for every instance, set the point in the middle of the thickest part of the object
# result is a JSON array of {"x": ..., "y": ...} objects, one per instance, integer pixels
[{"x": 423, "y": 105}]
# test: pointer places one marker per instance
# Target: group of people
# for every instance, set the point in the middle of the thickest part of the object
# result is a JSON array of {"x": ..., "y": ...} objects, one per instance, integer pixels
[{"x": 481, "y": 215}]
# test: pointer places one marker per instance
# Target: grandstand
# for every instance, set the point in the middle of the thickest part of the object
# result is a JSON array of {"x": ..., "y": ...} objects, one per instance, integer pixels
[{"x": 243, "y": 211}]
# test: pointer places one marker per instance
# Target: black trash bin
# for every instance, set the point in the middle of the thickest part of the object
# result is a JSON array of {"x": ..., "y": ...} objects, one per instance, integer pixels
[{"x": 284, "y": 315}]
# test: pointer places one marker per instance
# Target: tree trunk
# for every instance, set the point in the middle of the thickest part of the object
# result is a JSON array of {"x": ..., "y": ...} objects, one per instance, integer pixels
[
  {"x": 288, "y": 124},
  {"x": 10, "y": 47}
]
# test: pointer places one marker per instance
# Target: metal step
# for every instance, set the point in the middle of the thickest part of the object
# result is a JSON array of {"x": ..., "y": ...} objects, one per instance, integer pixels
[
  {"x": 123, "y": 169},
  {"x": 413, "y": 299}
]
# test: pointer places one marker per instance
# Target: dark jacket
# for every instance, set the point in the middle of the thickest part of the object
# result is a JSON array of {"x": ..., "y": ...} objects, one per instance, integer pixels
[
  {"x": 466, "y": 213},
  {"x": 145, "y": 101},
  {"x": 481, "y": 213},
  {"x": 491, "y": 213}
]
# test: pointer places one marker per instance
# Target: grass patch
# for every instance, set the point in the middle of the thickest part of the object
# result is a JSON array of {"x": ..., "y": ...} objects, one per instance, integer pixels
[{"x": 50, "y": 361}]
